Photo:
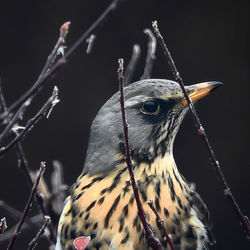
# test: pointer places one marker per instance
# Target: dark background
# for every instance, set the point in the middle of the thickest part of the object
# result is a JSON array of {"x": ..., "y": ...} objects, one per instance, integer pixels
[{"x": 209, "y": 40}]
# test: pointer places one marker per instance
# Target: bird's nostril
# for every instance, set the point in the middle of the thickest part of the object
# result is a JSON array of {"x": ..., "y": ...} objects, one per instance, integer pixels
[{"x": 190, "y": 91}]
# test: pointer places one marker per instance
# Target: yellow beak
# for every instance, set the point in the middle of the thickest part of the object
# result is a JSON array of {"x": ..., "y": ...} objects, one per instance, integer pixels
[{"x": 200, "y": 90}]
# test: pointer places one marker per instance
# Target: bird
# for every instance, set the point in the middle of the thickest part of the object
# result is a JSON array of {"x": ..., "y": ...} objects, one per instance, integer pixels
[{"x": 102, "y": 204}]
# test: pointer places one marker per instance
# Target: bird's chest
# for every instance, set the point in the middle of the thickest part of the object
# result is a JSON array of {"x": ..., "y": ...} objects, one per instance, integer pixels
[{"x": 105, "y": 208}]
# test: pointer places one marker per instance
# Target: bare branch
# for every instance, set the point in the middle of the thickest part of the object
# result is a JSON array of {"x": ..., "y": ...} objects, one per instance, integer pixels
[
  {"x": 14, "y": 213},
  {"x": 27, "y": 207},
  {"x": 51, "y": 58},
  {"x": 23, "y": 165},
  {"x": 160, "y": 221},
  {"x": 244, "y": 220},
  {"x": 36, "y": 221},
  {"x": 26, "y": 102},
  {"x": 34, "y": 242},
  {"x": 3, "y": 225},
  {"x": 132, "y": 64},
  {"x": 18, "y": 115},
  {"x": 150, "y": 54},
  {"x": 44, "y": 111},
  {"x": 152, "y": 239},
  {"x": 54, "y": 199},
  {"x": 22, "y": 162},
  {"x": 42, "y": 79}
]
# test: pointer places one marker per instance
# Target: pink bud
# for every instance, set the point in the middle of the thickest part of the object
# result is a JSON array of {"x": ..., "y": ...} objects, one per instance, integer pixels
[
  {"x": 64, "y": 29},
  {"x": 81, "y": 242}
]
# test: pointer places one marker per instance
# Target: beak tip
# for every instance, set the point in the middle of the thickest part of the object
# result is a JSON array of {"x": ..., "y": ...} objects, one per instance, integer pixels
[
  {"x": 215, "y": 85},
  {"x": 200, "y": 90}
]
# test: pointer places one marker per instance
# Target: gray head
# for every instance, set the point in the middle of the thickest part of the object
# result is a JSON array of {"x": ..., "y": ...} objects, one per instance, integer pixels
[{"x": 154, "y": 110}]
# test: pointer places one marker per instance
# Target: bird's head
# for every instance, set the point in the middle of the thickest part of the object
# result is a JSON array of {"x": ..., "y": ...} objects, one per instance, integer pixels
[{"x": 154, "y": 110}]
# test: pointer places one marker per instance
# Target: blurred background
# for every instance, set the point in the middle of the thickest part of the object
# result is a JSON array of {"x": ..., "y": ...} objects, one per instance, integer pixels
[{"x": 209, "y": 40}]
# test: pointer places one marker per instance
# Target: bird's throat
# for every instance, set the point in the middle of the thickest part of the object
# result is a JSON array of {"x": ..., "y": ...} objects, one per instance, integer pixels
[{"x": 158, "y": 181}]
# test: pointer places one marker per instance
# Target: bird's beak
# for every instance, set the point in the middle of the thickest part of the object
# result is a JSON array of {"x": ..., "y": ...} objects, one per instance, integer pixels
[{"x": 200, "y": 90}]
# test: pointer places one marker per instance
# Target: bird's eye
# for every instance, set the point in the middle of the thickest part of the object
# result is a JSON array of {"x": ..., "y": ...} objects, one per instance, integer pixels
[{"x": 151, "y": 107}]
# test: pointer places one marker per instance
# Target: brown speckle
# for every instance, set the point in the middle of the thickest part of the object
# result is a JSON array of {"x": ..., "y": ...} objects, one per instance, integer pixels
[
  {"x": 121, "y": 221},
  {"x": 125, "y": 239},
  {"x": 101, "y": 200},
  {"x": 131, "y": 200},
  {"x": 95, "y": 225},
  {"x": 111, "y": 210},
  {"x": 125, "y": 210},
  {"x": 87, "y": 225},
  {"x": 179, "y": 202},
  {"x": 166, "y": 212},
  {"x": 135, "y": 221},
  {"x": 157, "y": 204},
  {"x": 158, "y": 188},
  {"x": 91, "y": 206},
  {"x": 87, "y": 216}
]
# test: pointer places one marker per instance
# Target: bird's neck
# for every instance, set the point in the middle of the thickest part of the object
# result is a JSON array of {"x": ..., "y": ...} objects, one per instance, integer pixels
[
  {"x": 162, "y": 169},
  {"x": 158, "y": 166},
  {"x": 160, "y": 181}
]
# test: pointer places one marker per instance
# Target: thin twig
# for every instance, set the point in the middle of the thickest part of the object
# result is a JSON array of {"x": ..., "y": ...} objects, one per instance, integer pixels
[
  {"x": 152, "y": 239},
  {"x": 22, "y": 162},
  {"x": 244, "y": 219},
  {"x": 90, "y": 42},
  {"x": 36, "y": 220},
  {"x": 161, "y": 222},
  {"x": 23, "y": 165},
  {"x": 150, "y": 54},
  {"x": 51, "y": 58},
  {"x": 44, "y": 111},
  {"x": 15, "y": 118},
  {"x": 34, "y": 242},
  {"x": 132, "y": 64},
  {"x": 27, "y": 207},
  {"x": 3, "y": 225},
  {"x": 13, "y": 212},
  {"x": 18, "y": 115},
  {"x": 41, "y": 80}
]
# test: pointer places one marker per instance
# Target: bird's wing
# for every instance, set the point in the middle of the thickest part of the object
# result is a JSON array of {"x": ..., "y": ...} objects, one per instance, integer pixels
[{"x": 203, "y": 215}]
